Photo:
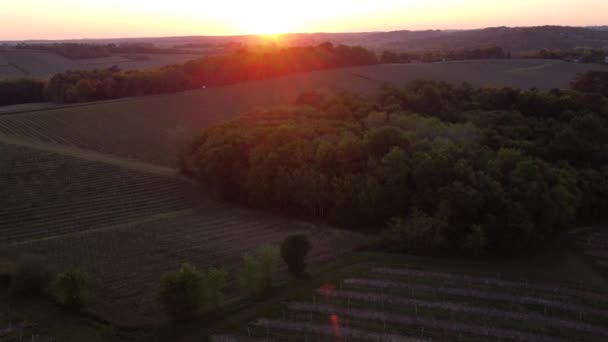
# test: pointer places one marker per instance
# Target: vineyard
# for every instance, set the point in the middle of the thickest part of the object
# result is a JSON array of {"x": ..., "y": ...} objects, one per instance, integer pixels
[
  {"x": 403, "y": 303},
  {"x": 127, "y": 228},
  {"x": 46, "y": 194},
  {"x": 594, "y": 244},
  {"x": 128, "y": 260}
]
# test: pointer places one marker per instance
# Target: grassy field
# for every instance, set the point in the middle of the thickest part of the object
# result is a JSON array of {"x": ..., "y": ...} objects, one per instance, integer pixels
[
  {"x": 40, "y": 64},
  {"x": 151, "y": 128}
]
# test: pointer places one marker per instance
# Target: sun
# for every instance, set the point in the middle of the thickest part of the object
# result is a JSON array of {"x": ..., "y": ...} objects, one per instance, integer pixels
[{"x": 267, "y": 18}]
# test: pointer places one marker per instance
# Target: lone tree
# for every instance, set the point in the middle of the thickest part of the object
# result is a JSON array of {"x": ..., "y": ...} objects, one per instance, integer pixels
[
  {"x": 293, "y": 251},
  {"x": 71, "y": 289}
]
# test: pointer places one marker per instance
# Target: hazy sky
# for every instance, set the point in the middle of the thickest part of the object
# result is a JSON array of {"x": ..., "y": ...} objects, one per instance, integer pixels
[{"x": 56, "y": 19}]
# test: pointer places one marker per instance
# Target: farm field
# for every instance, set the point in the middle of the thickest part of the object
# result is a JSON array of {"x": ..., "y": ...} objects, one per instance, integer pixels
[
  {"x": 151, "y": 129},
  {"x": 46, "y": 194},
  {"x": 127, "y": 224},
  {"x": 40, "y": 64},
  {"x": 208, "y": 235},
  {"x": 424, "y": 300},
  {"x": 594, "y": 244}
]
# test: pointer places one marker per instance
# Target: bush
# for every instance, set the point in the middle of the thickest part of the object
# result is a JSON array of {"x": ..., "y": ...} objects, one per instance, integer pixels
[
  {"x": 268, "y": 257},
  {"x": 214, "y": 285},
  {"x": 419, "y": 233},
  {"x": 258, "y": 269},
  {"x": 71, "y": 288},
  {"x": 293, "y": 251},
  {"x": 31, "y": 277},
  {"x": 250, "y": 276},
  {"x": 181, "y": 293},
  {"x": 6, "y": 273},
  {"x": 475, "y": 242}
]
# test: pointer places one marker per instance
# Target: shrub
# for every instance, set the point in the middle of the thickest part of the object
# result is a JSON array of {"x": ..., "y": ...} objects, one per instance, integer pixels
[
  {"x": 258, "y": 268},
  {"x": 475, "y": 242},
  {"x": 293, "y": 251},
  {"x": 214, "y": 285},
  {"x": 250, "y": 276},
  {"x": 71, "y": 288},
  {"x": 181, "y": 293},
  {"x": 268, "y": 257},
  {"x": 419, "y": 233},
  {"x": 31, "y": 277},
  {"x": 6, "y": 273}
]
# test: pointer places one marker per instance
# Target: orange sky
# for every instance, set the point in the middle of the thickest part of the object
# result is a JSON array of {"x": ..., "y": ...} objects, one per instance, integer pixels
[{"x": 67, "y": 19}]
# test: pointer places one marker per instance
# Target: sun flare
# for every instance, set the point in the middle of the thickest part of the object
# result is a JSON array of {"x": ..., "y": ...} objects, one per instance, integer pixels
[{"x": 267, "y": 18}]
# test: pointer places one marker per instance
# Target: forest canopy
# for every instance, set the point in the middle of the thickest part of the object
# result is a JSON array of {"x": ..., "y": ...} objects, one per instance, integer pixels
[{"x": 430, "y": 167}]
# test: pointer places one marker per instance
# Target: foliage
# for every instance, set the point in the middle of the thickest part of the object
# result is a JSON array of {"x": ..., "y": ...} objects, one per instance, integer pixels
[
  {"x": 21, "y": 91},
  {"x": 88, "y": 51},
  {"x": 6, "y": 273},
  {"x": 181, "y": 293},
  {"x": 293, "y": 251},
  {"x": 242, "y": 65},
  {"x": 31, "y": 277},
  {"x": 592, "y": 82},
  {"x": 582, "y": 55},
  {"x": 258, "y": 270},
  {"x": 480, "y": 170},
  {"x": 417, "y": 233},
  {"x": 71, "y": 289},
  {"x": 214, "y": 286},
  {"x": 438, "y": 55}
]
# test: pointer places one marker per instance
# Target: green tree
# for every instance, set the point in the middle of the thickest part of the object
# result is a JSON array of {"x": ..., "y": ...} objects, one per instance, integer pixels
[
  {"x": 293, "y": 251},
  {"x": 71, "y": 289},
  {"x": 181, "y": 293},
  {"x": 475, "y": 242},
  {"x": 258, "y": 270},
  {"x": 214, "y": 287}
]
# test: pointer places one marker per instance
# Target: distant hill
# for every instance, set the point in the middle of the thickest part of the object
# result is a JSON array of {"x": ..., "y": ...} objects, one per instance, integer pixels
[
  {"x": 516, "y": 39},
  {"x": 513, "y": 39}
]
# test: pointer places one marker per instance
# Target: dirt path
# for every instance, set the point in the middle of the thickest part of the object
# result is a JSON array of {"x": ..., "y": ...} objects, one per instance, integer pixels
[{"x": 95, "y": 157}]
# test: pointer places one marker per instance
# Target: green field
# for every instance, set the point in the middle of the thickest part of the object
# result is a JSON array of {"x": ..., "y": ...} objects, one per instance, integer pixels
[{"x": 16, "y": 63}]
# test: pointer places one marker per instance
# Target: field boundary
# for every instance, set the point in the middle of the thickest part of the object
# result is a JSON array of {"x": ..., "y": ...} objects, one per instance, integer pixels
[
  {"x": 125, "y": 225},
  {"x": 95, "y": 157}
]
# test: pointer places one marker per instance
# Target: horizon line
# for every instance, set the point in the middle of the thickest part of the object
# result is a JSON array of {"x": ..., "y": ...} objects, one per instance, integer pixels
[{"x": 290, "y": 33}]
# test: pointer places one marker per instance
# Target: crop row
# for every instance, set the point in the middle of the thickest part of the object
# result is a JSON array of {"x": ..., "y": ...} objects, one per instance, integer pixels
[
  {"x": 502, "y": 314},
  {"x": 100, "y": 131},
  {"x": 406, "y": 320},
  {"x": 481, "y": 294},
  {"x": 206, "y": 236},
  {"x": 47, "y": 194},
  {"x": 494, "y": 282},
  {"x": 329, "y": 331}
]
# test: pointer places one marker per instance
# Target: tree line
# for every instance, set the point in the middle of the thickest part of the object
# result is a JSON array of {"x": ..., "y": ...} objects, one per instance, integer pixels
[
  {"x": 242, "y": 65},
  {"x": 581, "y": 55},
  {"x": 21, "y": 91},
  {"x": 444, "y": 55},
  {"x": 89, "y": 51},
  {"x": 430, "y": 167}
]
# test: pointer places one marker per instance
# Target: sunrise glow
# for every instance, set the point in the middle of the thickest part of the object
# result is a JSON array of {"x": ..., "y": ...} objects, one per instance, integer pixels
[{"x": 56, "y": 19}]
